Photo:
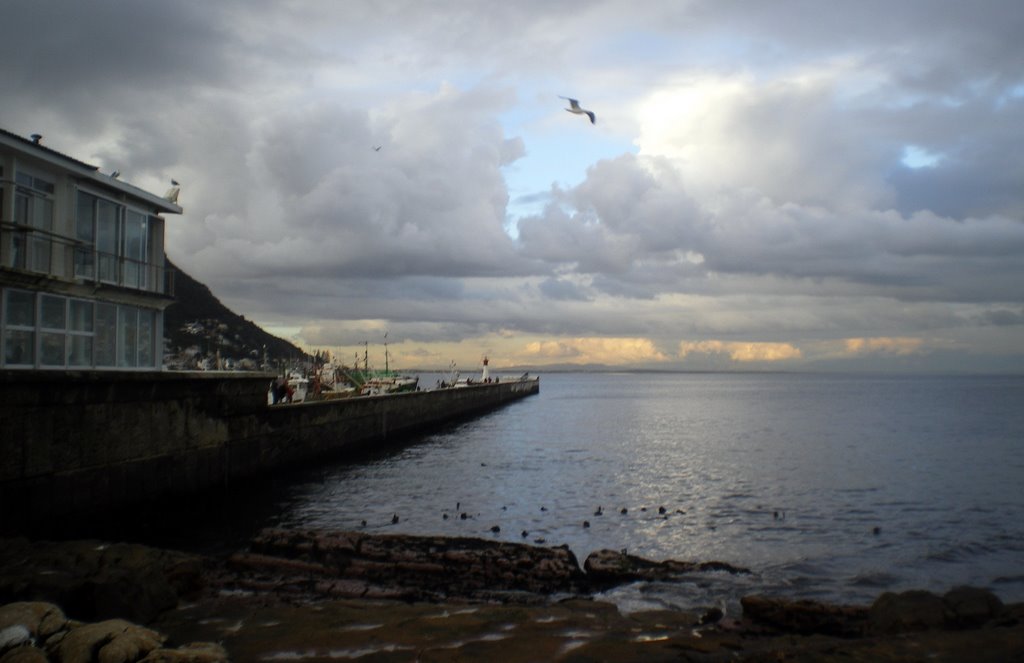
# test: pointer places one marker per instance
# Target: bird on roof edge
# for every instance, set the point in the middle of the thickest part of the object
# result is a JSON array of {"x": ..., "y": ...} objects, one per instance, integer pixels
[{"x": 574, "y": 107}]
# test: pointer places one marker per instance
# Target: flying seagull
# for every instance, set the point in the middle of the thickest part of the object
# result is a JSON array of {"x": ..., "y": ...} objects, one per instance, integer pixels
[
  {"x": 574, "y": 107},
  {"x": 377, "y": 149}
]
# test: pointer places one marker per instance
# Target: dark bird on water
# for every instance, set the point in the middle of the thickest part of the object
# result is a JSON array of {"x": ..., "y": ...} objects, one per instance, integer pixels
[
  {"x": 586, "y": 523},
  {"x": 524, "y": 534},
  {"x": 495, "y": 529},
  {"x": 661, "y": 510},
  {"x": 624, "y": 511},
  {"x": 599, "y": 511},
  {"x": 394, "y": 519},
  {"x": 574, "y": 107}
]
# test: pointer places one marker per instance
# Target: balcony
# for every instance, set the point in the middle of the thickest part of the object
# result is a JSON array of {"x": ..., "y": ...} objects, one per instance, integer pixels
[{"x": 31, "y": 250}]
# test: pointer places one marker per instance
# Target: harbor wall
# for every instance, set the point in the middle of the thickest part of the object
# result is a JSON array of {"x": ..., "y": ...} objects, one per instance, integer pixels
[{"x": 76, "y": 442}]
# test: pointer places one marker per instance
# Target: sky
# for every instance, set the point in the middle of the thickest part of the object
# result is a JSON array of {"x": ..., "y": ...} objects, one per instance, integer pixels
[{"x": 790, "y": 185}]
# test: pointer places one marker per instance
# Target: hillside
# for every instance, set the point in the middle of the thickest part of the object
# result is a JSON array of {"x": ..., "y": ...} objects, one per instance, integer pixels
[{"x": 197, "y": 325}]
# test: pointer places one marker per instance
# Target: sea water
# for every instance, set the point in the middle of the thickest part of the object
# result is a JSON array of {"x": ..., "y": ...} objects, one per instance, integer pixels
[{"x": 829, "y": 487}]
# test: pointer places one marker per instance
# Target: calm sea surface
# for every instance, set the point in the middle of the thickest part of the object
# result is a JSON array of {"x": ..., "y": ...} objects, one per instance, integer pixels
[{"x": 788, "y": 475}]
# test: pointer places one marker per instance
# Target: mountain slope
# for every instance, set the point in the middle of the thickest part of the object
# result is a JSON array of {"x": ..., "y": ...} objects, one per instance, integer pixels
[{"x": 197, "y": 323}]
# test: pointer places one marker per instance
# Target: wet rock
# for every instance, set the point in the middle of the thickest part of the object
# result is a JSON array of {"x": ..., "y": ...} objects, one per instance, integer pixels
[
  {"x": 94, "y": 580},
  {"x": 196, "y": 652},
  {"x": 915, "y": 610},
  {"x": 805, "y": 617},
  {"x": 40, "y": 619},
  {"x": 110, "y": 641},
  {"x": 613, "y": 567},
  {"x": 411, "y": 567},
  {"x": 25, "y": 655},
  {"x": 970, "y": 607},
  {"x": 14, "y": 636}
]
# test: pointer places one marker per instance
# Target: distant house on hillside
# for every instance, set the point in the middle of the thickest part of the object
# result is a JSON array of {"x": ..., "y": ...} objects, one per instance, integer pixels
[{"x": 83, "y": 282}]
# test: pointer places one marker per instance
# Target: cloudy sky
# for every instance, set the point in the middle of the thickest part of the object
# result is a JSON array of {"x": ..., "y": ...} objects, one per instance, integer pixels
[{"x": 794, "y": 185}]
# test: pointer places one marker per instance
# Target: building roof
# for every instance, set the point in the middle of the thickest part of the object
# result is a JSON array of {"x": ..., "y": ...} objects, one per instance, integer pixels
[{"x": 86, "y": 172}]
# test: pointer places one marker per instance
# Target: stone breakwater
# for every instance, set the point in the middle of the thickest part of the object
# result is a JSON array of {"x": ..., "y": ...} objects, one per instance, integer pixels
[{"x": 313, "y": 595}]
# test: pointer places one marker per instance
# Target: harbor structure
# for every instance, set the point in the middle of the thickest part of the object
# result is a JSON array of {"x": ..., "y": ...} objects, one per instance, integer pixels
[
  {"x": 83, "y": 277},
  {"x": 89, "y": 421}
]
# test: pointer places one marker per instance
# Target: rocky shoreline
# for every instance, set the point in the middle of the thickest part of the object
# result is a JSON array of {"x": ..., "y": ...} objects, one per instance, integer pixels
[{"x": 314, "y": 595}]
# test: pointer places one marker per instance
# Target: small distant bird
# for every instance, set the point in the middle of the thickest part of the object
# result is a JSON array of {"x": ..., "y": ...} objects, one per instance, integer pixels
[
  {"x": 36, "y": 138},
  {"x": 115, "y": 174},
  {"x": 661, "y": 510},
  {"x": 586, "y": 523},
  {"x": 363, "y": 523},
  {"x": 495, "y": 529},
  {"x": 524, "y": 534},
  {"x": 377, "y": 148},
  {"x": 599, "y": 511},
  {"x": 394, "y": 519},
  {"x": 574, "y": 107},
  {"x": 624, "y": 511}
]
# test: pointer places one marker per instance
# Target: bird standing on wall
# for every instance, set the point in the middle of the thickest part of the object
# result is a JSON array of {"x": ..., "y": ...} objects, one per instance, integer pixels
[
  {"x": 574, "y": 107},
  {"x": 172, "y": 193}
]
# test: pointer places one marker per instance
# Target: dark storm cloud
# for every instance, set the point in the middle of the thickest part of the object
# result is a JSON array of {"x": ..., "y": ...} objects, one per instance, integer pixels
[{"x": 100, "y": 54}]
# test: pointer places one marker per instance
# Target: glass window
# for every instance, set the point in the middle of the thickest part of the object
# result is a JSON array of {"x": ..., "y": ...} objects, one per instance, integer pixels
[
  {"x": 134, "y": 247},
  {"x": 146, "y": 328},
  {"x": 21, "y": 309},
  {"x": 53, "y": 312},
  {"x": 19, "y": 347},
  {"x": 127, "y": 336},
  {"x": 79, "y": 350},
  {"x": 81, "y": 316},
  {"x": 19, "y": 322},
  {"x": 80, "y": 332},
  {"x": 106, "y": 335},
  {"x": 107, "y": 218},
  {"x": 85, "y": 232},
  {"x": 51, "y": 349}
]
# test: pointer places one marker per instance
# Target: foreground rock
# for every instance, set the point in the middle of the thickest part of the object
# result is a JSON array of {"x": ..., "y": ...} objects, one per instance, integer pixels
[
  {"x": 330, "y": 596},
  {"x": 422, "y": 568},
  {"x": 39, "y": 632},
  {"x": 94, "y": 580},
  {"x": 959, "y": 609},
  {"x": 609, "y": 567}
]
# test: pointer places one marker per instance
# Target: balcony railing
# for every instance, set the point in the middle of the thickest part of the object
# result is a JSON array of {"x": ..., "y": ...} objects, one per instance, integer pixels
[{"x": 32, "y": 250}]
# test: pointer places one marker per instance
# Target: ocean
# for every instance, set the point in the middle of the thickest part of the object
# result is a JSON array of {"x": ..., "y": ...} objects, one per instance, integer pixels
[{"x": 828, "y": 487}]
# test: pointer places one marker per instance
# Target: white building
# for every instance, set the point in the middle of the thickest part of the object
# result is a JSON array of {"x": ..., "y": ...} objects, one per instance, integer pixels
[{"x": 83, "y": 283}]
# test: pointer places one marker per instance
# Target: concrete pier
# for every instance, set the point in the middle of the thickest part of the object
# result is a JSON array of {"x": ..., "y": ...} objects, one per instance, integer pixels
[{"x": 75, "y": 442}]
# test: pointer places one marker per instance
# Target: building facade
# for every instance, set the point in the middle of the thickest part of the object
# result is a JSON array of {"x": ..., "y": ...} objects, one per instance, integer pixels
[{"x": 83, "y": 282}]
